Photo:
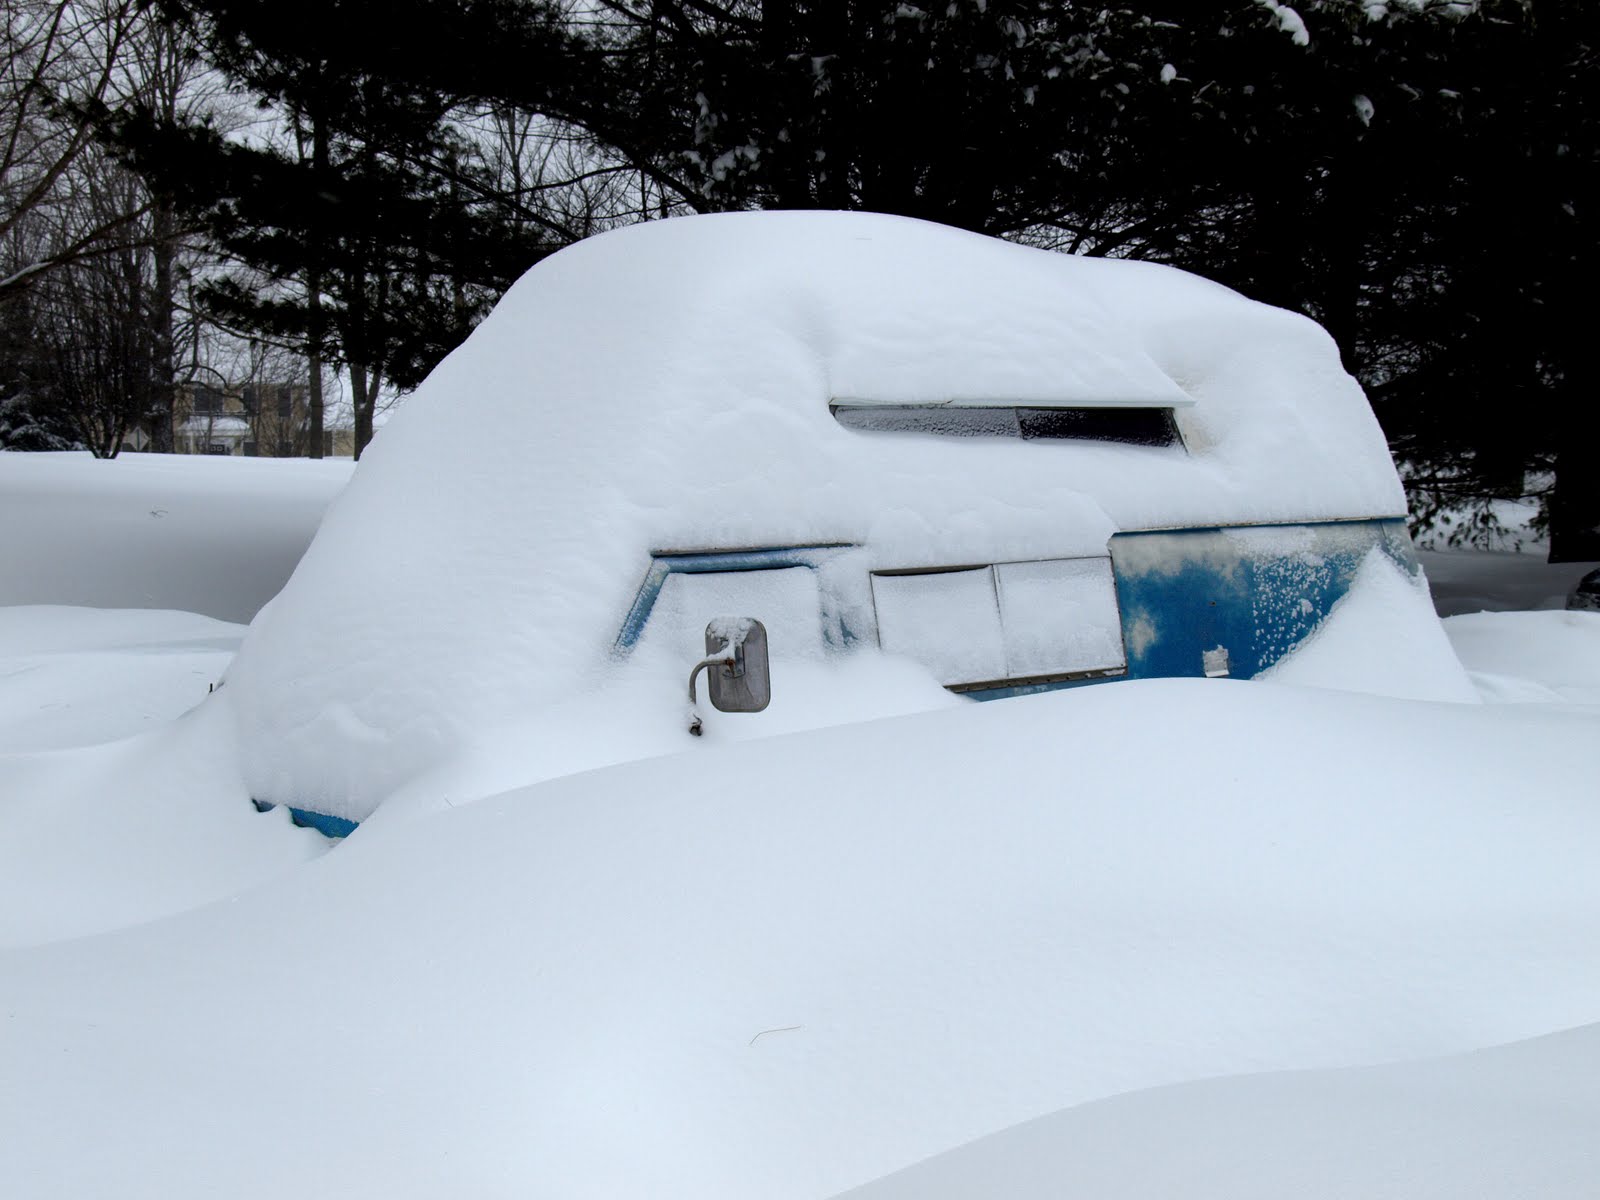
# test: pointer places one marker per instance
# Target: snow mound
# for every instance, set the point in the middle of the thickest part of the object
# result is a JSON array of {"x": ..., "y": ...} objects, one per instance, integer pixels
[
  {"x": 101, "y": 837},
  {"x": 214, "y": 535},
  {"x": 783, "y": 969},
  {"x": 667, "y": 386},
  {"x": 77, "y": 676},
  {"x": 1381, "y": 637},
  {"x": 1530, "y": 656},
  {"x": 1516, "y": 1120}
]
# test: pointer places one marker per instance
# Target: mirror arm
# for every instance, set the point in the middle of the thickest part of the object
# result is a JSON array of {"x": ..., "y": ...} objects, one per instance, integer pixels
[{"x": 724, "y": 660}]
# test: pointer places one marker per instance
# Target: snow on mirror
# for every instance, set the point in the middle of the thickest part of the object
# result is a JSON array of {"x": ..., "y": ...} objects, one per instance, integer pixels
[
  {"x": 970, "y": 626},
  {"x": 740, "y": 681}
]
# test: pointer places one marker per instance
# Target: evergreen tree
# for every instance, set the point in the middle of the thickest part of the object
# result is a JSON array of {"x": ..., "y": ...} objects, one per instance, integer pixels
[
  {"x": 358, "y": 224},
  {"x": 1345, "y": 158}
]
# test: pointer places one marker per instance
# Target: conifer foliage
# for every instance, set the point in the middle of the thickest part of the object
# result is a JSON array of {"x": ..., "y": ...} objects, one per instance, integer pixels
[
  {"x": 1417, "y": 175},
  {"x": 360, "y": 225}
]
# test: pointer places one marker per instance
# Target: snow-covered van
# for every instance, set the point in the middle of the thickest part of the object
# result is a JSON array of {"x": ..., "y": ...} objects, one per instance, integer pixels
[{"x": 933, "y": 464}]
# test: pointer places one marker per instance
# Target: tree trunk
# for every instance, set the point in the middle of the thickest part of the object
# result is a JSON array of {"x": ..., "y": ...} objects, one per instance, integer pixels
[
  {"x": 319, "y": 164},
  {"x": 1575, "y": 502},
  {"x": 364, "y": 393},
  {"x": 367, "y": 404},
  {"x": 163, "y": 304}
]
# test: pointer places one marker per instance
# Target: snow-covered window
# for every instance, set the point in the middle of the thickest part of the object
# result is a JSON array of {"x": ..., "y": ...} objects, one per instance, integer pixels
[
  {"x": 1139, "y": 425},
  {"x": 785, "y": 600},
  {"x": 1010, "y": 622}
]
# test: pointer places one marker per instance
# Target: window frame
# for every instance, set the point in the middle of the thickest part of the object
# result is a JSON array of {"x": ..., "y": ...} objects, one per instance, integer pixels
[
  {"x": 1006, "y": 682},
  {"x": 710, "y": 562},
  {"x": 1147, "y": 426}
]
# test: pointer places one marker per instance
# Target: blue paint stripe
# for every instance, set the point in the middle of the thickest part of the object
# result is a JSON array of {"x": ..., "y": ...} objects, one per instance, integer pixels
[
  {"x": 639, "y": 614},
  {"x": 333, "y": 827}
]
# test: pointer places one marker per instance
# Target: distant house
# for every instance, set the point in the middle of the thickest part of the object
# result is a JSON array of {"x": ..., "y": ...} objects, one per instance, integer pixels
[{"x": 265, "y": 420}]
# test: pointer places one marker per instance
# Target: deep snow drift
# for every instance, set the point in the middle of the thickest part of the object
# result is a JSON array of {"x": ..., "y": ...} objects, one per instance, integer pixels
[
  {"x": 789, "y": 967},
  {"x": 667, "y": 386},
  {"x": 1530, "y": 656},
  {"x": 1516, "y": 1120},
  {"x": 1381, "y": 638},
  {"x": 784, "y": 968},
  {"x": 217, "y": 536},
  {"x": 80, "y": 676}
]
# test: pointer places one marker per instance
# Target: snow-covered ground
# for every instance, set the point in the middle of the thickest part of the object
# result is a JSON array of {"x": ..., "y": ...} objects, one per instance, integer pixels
[
  {"x": 1508, "y": 573},
  {"x": 217, "y": 536},
  {"x": 785, "y": 968},
  {"x": 1513, "y": 1120},
  {"x": 1146, "y": 939}
]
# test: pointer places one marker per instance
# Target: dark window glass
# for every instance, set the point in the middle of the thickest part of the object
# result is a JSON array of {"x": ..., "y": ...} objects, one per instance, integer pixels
[{"x": 1130, "y": 426}]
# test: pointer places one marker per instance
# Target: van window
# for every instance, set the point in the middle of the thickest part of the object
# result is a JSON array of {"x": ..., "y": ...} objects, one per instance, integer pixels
[
  {"x": 1003, "y": 623},
  {"x": 1128, "y": 426},
  {"x": 785, "y": 600}
]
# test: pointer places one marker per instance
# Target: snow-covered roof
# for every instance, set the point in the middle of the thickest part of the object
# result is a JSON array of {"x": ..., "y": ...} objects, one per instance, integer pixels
[{"x": 668, "y": 386}]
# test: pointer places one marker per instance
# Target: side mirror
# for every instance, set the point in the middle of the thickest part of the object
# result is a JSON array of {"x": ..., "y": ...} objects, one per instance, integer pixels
[{"x": 736, "y": 656}]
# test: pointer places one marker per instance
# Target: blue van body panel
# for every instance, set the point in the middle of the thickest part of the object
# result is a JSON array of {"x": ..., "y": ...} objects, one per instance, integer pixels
[
  {"x": 331, "y": 827},
  {"x": 1256, "y": 591}
]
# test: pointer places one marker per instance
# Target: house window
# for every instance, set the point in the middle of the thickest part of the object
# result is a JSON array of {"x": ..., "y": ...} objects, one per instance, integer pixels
[
  {"x": 285, "y": 401},
  {"x": 1003, "y": 624},
  {"x": 207, "y": 399},
  {"x": 247, "y": 398},
  {"x": 219, "y": 448},
  {"x": 1135, "y": 426}
]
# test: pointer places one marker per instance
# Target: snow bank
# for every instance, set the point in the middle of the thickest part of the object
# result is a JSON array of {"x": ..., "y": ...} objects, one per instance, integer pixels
[
  {"x": 78, "y": 676},
  {"x": 788, "y": 968},
  {"x": 667, "y": 386},
  {"x": 101, "y": 837},
  {"x": 214, "y": 535},
  {"x": 1517, "y": 1120},
  {"x": 1381, "y": 637},
  {"x": 1530, "y": 656}
]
